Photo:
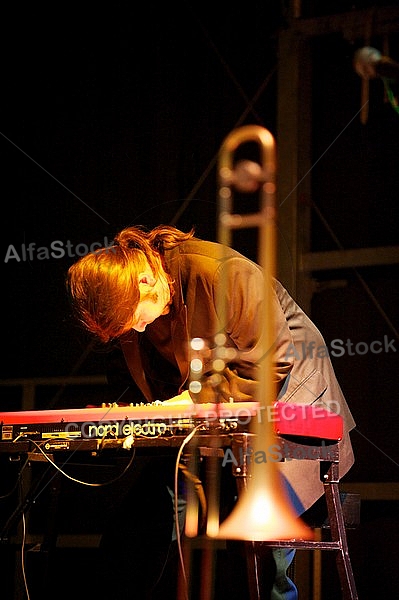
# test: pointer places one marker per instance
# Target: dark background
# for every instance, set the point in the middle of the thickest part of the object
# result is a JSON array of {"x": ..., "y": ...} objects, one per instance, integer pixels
[{"x": 113, "y": 116}]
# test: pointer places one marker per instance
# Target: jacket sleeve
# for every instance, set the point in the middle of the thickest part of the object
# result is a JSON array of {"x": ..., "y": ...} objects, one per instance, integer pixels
[{"x": 241, "y": 287}]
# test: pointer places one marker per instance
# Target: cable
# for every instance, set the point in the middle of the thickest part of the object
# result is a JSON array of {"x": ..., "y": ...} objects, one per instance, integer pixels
[
  {"x": 23, "y": 556},
  {"x": 176, "y": 494},
  {"x": 90, "y": 484}
]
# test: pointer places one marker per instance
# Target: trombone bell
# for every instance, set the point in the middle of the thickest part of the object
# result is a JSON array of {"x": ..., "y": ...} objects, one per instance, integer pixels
[{"x": 263, "y": 514}]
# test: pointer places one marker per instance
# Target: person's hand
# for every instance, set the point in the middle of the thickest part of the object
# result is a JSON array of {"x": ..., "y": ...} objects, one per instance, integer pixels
[
  {"x": 226, "y": 387},
  {"x": 237, "y": 389},
  {"x": 181, "y": 399}
]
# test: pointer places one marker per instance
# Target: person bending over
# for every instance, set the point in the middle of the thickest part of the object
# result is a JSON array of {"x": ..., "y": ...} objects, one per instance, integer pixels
[{"x": 152, "y": 292}]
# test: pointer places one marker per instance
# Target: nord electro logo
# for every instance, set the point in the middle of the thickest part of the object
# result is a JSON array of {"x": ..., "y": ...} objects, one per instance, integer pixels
[{"x": 124, "y": 429}]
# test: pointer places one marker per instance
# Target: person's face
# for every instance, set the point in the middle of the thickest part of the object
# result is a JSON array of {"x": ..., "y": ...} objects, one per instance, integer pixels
[{"x": 152, "y": 306}]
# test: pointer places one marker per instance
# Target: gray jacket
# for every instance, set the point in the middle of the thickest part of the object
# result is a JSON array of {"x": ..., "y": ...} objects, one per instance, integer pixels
[{"x": 203, "y": 273}]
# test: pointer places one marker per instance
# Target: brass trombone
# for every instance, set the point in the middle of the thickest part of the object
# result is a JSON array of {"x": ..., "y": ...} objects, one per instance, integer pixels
[{"x": 263, "y": 511}]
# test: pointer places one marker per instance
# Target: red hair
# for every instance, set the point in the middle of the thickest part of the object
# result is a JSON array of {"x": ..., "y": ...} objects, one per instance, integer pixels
[{"x": 104, "y": 285}]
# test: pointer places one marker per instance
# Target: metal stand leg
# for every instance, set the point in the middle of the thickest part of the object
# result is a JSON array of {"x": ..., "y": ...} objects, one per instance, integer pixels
[
  {"x": 338, "y": 542},
  {"x": 338, "y": 534}
]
